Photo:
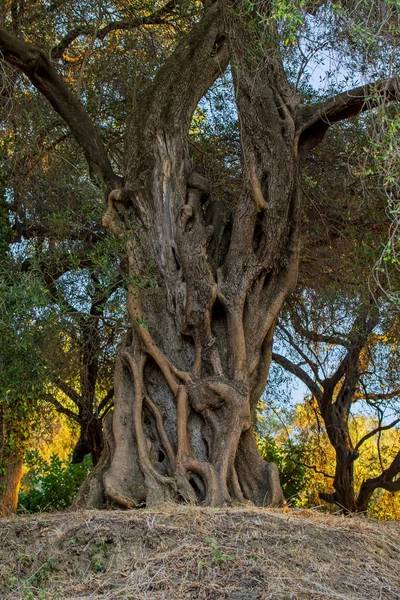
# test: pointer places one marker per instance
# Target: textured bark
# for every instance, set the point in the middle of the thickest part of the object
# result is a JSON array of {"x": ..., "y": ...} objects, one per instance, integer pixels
[
  {"x": 197, "y": 372},
  {"x": 190, "y": 373},
  {"x": 90, "y": 441}
]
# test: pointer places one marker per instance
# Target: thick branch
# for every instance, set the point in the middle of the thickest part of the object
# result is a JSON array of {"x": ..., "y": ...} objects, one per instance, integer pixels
[
  {"x": 36, "y": 65},
  {"x": 103, "y": 404},
  {"x": 379, "y": 396},
  {"x": 385, "y": 481},
  {"x": 346, "y": 105},
  {"x": 393, "y": 469},
  {"x": 61, "y": 409},
  {"x": 334, "y": 379},
  {"x": 298, "y": 372},
  {"x": 200, "y": 57},
  {"x": 358, "y": 337},
  {"x": 68, "y": 391}
]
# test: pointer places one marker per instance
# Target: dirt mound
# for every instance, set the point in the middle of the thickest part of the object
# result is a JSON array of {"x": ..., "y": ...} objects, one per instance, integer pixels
[{"x": 186, "y": 552}]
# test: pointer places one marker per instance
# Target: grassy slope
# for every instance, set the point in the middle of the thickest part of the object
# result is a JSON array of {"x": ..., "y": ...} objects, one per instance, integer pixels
[{"x": 187, "y": 552}]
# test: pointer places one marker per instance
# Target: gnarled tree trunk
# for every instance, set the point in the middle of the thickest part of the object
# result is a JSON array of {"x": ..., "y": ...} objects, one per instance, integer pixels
[{"x": 191, "y": 370}]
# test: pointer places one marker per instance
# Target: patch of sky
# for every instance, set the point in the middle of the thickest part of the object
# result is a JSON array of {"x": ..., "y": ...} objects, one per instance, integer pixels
[{"x": 74, "y": 286}]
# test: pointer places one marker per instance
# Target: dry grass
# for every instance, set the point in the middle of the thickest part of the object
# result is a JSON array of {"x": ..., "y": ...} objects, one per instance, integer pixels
[{"x": 185, "y": 552}]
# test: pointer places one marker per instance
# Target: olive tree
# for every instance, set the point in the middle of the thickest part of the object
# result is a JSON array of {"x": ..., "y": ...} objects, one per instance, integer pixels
[
  {"x": 195, "y": 359},
  {"x": 345, "y": 351}
]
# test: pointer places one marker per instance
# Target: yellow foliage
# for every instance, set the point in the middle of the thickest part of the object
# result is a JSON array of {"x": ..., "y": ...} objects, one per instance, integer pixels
[{"x": 384, "y": 505}]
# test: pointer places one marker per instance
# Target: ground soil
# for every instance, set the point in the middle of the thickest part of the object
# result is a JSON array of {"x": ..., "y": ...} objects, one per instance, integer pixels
[{"x": 187, "y": 552}]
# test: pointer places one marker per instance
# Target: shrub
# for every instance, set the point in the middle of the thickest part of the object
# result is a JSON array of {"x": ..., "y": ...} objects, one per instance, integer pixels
[
  {"x": 291, "y": 471},
  {"x": 50, "y": 485}
]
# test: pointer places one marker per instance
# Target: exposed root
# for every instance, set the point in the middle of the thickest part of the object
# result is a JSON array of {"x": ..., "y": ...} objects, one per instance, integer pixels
[
  {"x": 110, "y": 219},
  {"x": 182, "y": 415},
  {"x": 236, "y": 490},
  {"x": 167, "y": 368},
  {"x": 154, "y": 480},
  {"x": 258, "y": 196},
  {"x": 162, "y": 433},
  {"x": 222, "y": 398},
  {"x": 207, "y": 472}
]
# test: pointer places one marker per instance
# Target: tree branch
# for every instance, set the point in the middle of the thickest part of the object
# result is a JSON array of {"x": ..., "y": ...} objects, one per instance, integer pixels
[
  {"x": 60, "y": 408},
  {"x": 310, "y": 363},
  {"x": 200, "y": 57},
  {"x": 312, "y": 467},
  {"x": 314, "y": 336},
  {"x": 124, "y": 24},
  {"x": 358, "y": 337},
  {"x": 298, "y": 372},
  {"x": 374, "y": 432},
  {"x": 105, "y": 401},
  {"x": 384, "y": 481},
  {"x": 36, "y": 65},
  {"x": 334, "y": 379},
  {"x": 68, "y": 391},
  {"x": 346, "y": 105},
  {"x": 377, "y": 397}
]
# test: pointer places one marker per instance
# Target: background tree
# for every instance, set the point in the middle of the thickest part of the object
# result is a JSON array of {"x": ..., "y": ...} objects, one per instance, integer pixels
[
  {"x": 79, "y": 363},
  {"x": 337, "y": 352},
  {"x": 76, "y": 264},
  {"x": 195, "y": 360},
  {"x": 306, "y": 458}
]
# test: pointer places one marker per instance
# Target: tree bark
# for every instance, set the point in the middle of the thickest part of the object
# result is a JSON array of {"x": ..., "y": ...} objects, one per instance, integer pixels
[
  {"x": 11, "y": 461},
  {"x": 9, "y": 484}
]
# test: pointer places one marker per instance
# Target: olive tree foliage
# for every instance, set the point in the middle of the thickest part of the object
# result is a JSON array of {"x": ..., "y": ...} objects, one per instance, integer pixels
[
  {"x": 71, "y": 258},
  {"x": 23, "y": 322},
  {"x": 386, "y": 153},
  {"x": 205, "y": 282},
  {"x": 53, "y": 214}
]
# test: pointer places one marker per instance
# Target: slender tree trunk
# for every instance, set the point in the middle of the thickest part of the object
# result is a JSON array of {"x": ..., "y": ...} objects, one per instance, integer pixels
[
  {"x": 337, "y": 429},
  {"x": 9, "y": 484},
  {"x": 336, "y": 413},
  {"x": 11, "y": 461}
]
